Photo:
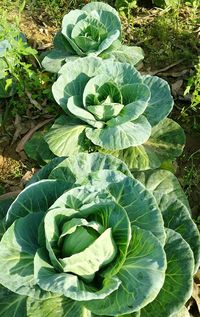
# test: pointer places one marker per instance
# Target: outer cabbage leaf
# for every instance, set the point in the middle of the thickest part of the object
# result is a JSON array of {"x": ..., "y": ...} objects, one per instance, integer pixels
[
  {"x": 11, "y": 304},
  {"x": 124, "y": 54},
  {"x": 44, "y": 172},
  {"x": 56, "y": 306},
  {"x": 165, "y": 143},
  {"x": 161, "y": 102},
  {"x": 66, "y": 137},
  {"x": 17, "y": 250},
  {"x": 35, "y": 198},
  {"x": 73, "y": 83},
  {"x": 174, "y": 206},
  {"x": 56, "y": 58},
  {"x": 121, "y": 136},
  {"x": 37, "y": 149},
  {"x": 4, "y": 206},
  {"x": 182, "y": 313},
  {"x": 179, "y": 272},
  {"x": 78, "y": 171}
]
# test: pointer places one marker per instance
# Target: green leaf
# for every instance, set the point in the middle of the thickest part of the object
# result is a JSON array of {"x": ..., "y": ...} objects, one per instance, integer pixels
[
  {"x": 66, "y": 136},
  {"x": 161, "y": 102},
  {"x": 45, "y": 171},
  {"x": 11, "y": 304},
  {"x": 4, "y": 206},
  {"x": 37, "y": 149},
  {"x": 182, "y": 313},
  {"x": 121, "y": 73},
  {"x": 140, "y": 205},
  {"x": 125, "y": 54},
  {"x": 135, "y": 98},
  {"x": 54, "y": 60},
  {"x": 68, "y": 205},
  {"x": 55, "y": 306},
  {"x": 73, "y": 83},
  {"x": 169, "y": 138},
  {"x": 99, "y": 6},
  {"x": 68, "y": 284},
  {"x": 176, "y": 216},
  {"x": 105, "y": 13},
  {"x": 61, "y": 44},
  {"x": 10, "y": 91},
  {"x": 89, "y": 202},
  {"x": 141, "y": 279},
  {"x": 79, "y": 230},
  {"x": 174, "y": 206},
  {"x": 17, "y": 249},
  {"x": 76, "y": 169},
  {"x": 112, "y": 36},
  {"x": 75, "y": 106},
  {"x": 165, "y": 143},
  {"x": 105, "y": 111},
  {"x": 177, "y": 287},
  {"x": 121, "y": 136},
  {"x": 134, "y": 92},
  {"x": 35, "y": 198},
  {"x": 69, "y": 21},
  {"x": 4, "y": 46},
  {"x": 87, "y": 45},
  {"x": 86, "y": 263},
  {"x": 164, "y": 186}
]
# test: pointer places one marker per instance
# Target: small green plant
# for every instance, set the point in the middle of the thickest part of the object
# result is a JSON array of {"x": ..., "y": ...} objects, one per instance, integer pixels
[
  {"x": 13, "y": 48},
  {"x": 191, "y": 176},
  {"x": 110, "y": 107},
  {"x": 93, "y": 30},
  {"x": 193, "y": 87},
  {"x": 174, "y": 3},
  {"x": 126, "y": 6},
  {"x": 86, "y": 238}
]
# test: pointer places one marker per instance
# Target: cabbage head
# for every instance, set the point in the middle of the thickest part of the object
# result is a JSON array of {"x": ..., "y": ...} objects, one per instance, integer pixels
[
  {"x": 86, "y": 239},
  {"x": 93, "y": 30},
  {"x": 110, "y": 107}
]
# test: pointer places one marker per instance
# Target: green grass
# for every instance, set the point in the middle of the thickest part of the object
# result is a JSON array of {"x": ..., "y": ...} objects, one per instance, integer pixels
[{"x": 166, "y": 37}]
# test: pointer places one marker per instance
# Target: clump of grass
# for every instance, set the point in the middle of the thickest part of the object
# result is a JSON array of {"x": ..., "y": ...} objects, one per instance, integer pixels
[{"x": 166, "y": 36}]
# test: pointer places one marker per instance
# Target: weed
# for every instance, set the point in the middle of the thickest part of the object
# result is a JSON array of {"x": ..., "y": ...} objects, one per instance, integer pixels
[
  {"x": 194, "y": 87},
  {"x": 165, "y": 36}
]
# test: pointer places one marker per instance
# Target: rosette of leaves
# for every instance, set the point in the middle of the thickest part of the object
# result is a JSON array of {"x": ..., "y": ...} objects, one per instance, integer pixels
[
  {"x": 86, "y": 238},
  {"x": 110, "y": 107},
  {"x": 94, "y": 30}
]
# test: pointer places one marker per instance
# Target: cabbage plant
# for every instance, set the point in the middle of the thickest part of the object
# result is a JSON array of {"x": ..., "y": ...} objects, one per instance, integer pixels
[
  {"x": 110, "y": 107},
  {"x": 86, "y": 238},
  {"x": 94, "y": 30}
]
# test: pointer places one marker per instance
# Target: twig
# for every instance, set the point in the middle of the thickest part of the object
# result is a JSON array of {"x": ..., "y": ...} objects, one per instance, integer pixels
[
  {"x": 26, "y": 137},
  {"x": 166, "y": 68},
  {"x": 9, "y": 195},
  {"x": 32, "y": 101},
  {"x": 5, "y": 181}
]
